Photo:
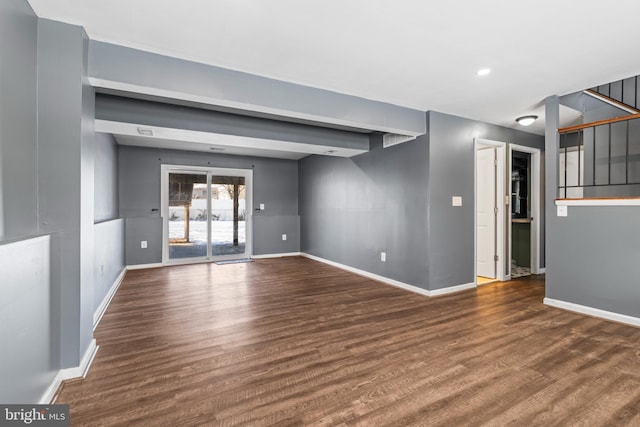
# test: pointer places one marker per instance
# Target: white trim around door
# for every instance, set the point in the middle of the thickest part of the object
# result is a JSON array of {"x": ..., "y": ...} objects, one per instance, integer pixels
[
  {"x": 535, "y": 205},
  {"x": 210, "y": 172},
  {"x": 501, "y": 252}
]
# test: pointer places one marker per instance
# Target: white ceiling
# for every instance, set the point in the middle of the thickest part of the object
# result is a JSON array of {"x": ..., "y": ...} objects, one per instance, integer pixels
[{"x": 418, "y": 54}]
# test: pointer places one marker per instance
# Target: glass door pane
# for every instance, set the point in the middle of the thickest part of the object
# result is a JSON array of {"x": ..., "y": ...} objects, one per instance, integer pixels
[
  {"x": 228, "y": 215},
  {"x": 188, "y": 215}
]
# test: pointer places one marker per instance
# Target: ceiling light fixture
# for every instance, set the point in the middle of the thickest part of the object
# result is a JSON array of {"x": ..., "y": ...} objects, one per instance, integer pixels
[
  {"x": 484, "y": 72},
  {"x": 526, "y": 120},
  {"x": 217, "y": 149}
]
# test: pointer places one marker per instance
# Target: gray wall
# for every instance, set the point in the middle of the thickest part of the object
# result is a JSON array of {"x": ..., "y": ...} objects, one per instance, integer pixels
[
  {"x": 105, "y": 178},
  {"x": 18, "y": 116},
  {"x": 87, "y": 200},
  {"x": 108, "y": 231},
  {"x": 398, "y": 200},
  {"x": 593, "y": 252},
  {"x": 66, "y": 178},
  {"x": 353, "y": 209},
  {"x": 596, "y": 253},
  {"x": 275, "y": 183},
  {"x": 452, "y": 174},
  {"x": 127, "y": 110},
  {"x": 28, "y": 364},
  {"x": 592, "y": 109},
  {"x": 108, "y": 258},
  {"x": 242, "y": 91},
  {"x": 30, "y": 300}
]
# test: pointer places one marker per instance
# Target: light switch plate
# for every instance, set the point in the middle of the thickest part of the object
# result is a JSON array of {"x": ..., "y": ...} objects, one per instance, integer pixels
[{"x": 261, "y": 206}]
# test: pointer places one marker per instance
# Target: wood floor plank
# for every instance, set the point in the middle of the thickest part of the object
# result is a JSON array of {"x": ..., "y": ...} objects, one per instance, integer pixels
[{"x": 295, "y": 342}]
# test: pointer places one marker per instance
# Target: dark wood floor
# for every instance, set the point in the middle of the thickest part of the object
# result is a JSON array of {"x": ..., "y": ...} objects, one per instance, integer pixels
[{"x": 294, "y": 342}]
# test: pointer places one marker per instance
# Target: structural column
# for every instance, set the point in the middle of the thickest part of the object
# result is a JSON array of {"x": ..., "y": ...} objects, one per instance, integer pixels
[
  {"x": 65, "y": 181},
  {"x": 552, "y": 143}
]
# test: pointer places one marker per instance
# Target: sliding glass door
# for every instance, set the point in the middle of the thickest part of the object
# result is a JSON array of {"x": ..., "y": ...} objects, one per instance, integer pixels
[
  {"x": 228, "y": 215},
  {"x": 206, "y": 213},
  {"x": 187, "y": 215}
]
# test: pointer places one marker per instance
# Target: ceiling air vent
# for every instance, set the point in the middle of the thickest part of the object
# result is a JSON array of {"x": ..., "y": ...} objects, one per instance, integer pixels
[
  {"x": 145, "y": 131},
  {"x": 391, "y": 139}
]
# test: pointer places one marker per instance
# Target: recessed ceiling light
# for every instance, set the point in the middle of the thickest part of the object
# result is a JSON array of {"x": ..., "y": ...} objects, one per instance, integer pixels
[
  {"x": 526, "y": 120},
  {"x": 484, "y": 71},
  {"x": 145, "y": 131}
]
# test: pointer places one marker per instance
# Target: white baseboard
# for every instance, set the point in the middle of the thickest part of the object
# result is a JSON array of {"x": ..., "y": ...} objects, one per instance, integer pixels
[
  {"x": 144, "y": 266},
  {"x": 450, "y": 289},
  {"x": 85, "y": 364},
  {"x": 265, "y": 256},
  {"x": 97, "y": 316},
  {"x": 595, "y": 312},
  {"x": 51, "y": 391},
  {"x": 389, "y": 281},
  {"x": 70, "y": 373},
  {"x": 541, "y": 271}
]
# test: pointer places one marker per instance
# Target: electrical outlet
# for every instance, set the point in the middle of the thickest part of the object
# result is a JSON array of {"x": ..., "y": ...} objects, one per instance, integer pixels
[
  {"x": 383, "y": 256},
  {"x": 284, "y": 237},
  {"x": 456, "y": 201},
  {"x": 143, "y": 244},
  {"x": 261, "y": 206}
]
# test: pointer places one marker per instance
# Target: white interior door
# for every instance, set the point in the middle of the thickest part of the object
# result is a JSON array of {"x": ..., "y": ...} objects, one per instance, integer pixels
[{"x": 486, "y": 213}]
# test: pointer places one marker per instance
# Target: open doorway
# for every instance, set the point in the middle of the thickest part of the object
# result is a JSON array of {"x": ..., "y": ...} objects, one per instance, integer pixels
[
  {"x": 490, "y": 211},
  {"x": 524, "y": 222},
  {"x": 521, "y": 216}
]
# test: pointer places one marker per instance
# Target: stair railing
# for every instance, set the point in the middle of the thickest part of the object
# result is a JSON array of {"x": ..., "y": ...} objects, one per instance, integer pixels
[{"x": 600, "y": 159}]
